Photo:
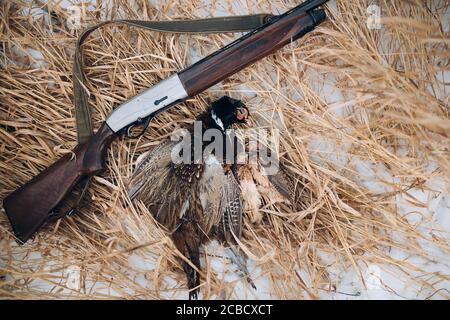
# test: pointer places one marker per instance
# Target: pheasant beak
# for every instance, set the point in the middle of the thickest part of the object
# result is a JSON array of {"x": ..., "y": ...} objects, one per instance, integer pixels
[{"x": 242, "y": 114}]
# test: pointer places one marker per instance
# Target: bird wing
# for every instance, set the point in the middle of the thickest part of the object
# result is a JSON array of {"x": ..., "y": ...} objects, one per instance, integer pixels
[
  {"x": 155, "y": 183},
  {"x": 149, "y": 167},
  {"x": 211, "y": 193}
]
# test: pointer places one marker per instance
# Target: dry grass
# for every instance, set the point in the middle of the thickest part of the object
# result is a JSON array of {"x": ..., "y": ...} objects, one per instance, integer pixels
[{"x": 383, "y": 139}]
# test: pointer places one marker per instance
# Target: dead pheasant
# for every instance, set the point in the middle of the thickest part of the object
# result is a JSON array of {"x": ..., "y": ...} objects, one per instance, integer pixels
[
  {"x": 196, "y": 201},
  {"x": 204, "y": 200}
]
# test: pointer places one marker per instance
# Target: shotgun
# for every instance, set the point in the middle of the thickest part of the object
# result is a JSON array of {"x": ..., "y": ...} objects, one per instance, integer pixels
[{"x": 32, "y": 205}]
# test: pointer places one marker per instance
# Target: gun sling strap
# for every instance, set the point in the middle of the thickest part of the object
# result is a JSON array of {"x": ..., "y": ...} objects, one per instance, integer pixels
[{"x": 81, "y": 96}]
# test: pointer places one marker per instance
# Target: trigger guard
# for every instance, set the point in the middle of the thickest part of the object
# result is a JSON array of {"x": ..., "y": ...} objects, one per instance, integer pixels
[{"x": 144, "y": 122}]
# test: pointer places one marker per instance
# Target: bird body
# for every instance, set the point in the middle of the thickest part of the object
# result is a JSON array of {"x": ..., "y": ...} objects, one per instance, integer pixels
[
  {"x": 203, "y": 199},
  {"x": 195, "y": 201}
]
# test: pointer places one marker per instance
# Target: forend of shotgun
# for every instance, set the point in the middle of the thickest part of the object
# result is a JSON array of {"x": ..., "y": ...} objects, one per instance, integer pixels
[{"x": 33, "y": 204}]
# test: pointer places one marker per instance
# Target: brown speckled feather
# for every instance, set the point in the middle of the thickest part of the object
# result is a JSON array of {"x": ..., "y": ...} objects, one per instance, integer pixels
[
  {"x": 231, "y": 222},
  {"x": 283, "y": 185}
]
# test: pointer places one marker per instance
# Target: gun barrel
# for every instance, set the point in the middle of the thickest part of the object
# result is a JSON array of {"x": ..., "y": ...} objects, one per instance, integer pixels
[{"x": 310, "y": 5}]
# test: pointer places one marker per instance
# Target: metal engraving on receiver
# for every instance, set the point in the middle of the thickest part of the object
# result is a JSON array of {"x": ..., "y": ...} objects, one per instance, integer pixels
[{"x": 147, "y": 103}]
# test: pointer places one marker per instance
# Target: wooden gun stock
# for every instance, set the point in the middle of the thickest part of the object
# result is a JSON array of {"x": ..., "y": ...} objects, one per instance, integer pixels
[{"x": 28, "y": 207}]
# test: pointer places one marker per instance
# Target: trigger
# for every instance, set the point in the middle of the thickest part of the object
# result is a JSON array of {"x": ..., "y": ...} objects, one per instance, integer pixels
[{"x": 144, "y": 122}]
